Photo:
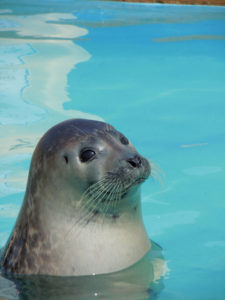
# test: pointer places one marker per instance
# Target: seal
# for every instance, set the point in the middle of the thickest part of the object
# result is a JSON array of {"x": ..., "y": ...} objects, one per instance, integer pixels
[{"x": 81, "y": 212}]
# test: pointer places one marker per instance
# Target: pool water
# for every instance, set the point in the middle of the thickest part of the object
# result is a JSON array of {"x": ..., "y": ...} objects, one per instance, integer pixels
[{"x": 155, "y": 72}]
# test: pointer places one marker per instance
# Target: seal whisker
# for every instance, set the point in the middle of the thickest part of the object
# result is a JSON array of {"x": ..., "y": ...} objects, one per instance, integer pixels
[
  {"x": 101, "y": 193},
  {"x": 100, "y": 187},
  {"x": 156, "y": 167},
  {"x": 118, "y": 193},
  {"x": 114, "y": 202},
  {"x": 83, "y": 215},
  {"x": 157, "y": 173},
  {"x": 88, "y": 216},
  {"x": 108, "y": 202},
  {"x": 158, "y": 177},
  {"x": 105, "y": 193},
  {"x": 91, "y": 191}
]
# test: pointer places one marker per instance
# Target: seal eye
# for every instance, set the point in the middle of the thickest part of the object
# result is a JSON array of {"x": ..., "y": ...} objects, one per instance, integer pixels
[
  {"x": 124, "y": 140},
  {"x": 87, "y": 155}
]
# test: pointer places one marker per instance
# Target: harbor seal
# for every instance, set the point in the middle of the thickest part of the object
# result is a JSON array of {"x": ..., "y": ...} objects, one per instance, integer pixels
[{"x": 81, "y": 213}]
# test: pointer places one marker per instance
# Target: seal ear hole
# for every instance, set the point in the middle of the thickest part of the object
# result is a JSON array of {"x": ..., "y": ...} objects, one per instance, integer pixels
[{"x": 66, "y": 159}]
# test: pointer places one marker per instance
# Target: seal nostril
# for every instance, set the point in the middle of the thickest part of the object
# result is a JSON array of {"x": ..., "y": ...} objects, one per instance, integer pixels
[
  {"x": 135, "y": 161},
  {"x": 132, "y": 163}
]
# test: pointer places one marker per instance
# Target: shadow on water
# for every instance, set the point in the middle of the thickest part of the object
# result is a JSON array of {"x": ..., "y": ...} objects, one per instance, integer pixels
[{"x": 139, "y": 282}]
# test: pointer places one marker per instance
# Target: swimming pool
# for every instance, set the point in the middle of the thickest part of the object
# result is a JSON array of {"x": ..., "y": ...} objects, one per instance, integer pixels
[{"x": 155, "y": 72}]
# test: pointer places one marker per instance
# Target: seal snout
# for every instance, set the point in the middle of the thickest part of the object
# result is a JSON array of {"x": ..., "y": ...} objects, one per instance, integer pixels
[{"x": 139, "y": 167}]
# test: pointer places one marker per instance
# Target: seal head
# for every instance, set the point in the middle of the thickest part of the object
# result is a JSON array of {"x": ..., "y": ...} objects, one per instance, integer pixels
[{"x": 82, "y": 208}]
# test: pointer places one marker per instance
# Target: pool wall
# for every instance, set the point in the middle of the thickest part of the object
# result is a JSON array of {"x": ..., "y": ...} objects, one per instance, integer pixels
[{"x": 190, "y": 2}]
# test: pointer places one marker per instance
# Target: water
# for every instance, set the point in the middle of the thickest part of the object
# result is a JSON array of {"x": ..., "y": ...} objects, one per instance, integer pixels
[{"x": 155, "y": 72}]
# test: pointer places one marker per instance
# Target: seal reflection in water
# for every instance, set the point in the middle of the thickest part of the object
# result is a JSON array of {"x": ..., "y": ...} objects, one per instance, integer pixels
[{"x": 81, "y": 213}]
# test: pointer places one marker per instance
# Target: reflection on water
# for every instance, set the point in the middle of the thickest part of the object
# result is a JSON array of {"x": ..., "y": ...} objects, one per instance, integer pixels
[
  {"x": 37, "y": 52},
  {"x": 36, "y": 58},
  {"x": 13, "y": 80},
  {"x": 139, "y": 282}
]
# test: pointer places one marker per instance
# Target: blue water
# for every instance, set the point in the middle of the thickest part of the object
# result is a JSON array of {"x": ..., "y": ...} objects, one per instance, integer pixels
[{"x": 155, "y": 72}]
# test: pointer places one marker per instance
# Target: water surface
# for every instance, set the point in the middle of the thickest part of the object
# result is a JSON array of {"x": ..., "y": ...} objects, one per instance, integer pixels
[{"x": 155, "y": 72}]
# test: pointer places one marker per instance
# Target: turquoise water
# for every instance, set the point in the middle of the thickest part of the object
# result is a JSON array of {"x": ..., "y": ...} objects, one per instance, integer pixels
[{"x": 155, "y": 72}]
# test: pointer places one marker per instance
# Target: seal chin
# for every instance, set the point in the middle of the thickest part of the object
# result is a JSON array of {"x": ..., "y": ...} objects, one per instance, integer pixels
[{"x": 140, "y": 180}]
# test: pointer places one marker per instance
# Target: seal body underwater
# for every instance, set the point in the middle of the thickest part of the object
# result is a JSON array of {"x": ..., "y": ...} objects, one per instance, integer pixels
[{"x": 81, "y": 212}]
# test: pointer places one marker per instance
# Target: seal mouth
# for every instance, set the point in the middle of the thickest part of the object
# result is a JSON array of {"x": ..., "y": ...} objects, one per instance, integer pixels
[
  {"x": 140, "y": 180},
  {"x": 132, "y": 182}
]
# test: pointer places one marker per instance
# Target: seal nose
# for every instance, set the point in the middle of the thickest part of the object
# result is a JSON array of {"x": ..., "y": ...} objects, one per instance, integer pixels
[{"x": 135, "y": 161}]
